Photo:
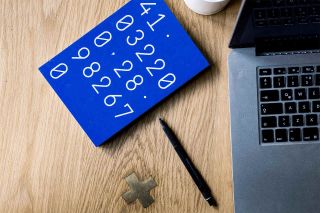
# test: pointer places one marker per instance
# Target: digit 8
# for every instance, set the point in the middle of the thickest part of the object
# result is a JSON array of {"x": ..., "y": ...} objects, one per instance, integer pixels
[
  {"x": 89, "y": 74},
  {"x": 134, "y": 82}
]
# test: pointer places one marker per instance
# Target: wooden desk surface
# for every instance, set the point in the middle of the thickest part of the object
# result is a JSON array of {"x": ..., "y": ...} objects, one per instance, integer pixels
[{"x": 48, "y": 164}]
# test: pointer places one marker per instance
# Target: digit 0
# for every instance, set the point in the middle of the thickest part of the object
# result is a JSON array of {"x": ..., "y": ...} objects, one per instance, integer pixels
[
  {"x": 103, "y": 39},
  {"x": 88, "y": 72},
  {"x": 58, "y": 71},
  {"x": 167, "y": 81},
  {"x": 125, "y": 23}
]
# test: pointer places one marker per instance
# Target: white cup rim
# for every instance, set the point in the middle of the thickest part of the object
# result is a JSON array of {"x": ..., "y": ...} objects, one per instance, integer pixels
[{"x": 216, "y": 1}]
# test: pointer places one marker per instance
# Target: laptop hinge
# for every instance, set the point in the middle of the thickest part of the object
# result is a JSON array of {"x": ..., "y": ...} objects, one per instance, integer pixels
[{"x": 288, "y": 45}]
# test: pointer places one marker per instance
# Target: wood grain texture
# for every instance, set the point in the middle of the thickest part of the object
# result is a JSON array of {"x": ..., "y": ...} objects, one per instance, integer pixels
[{"x": 48, "y": 164}]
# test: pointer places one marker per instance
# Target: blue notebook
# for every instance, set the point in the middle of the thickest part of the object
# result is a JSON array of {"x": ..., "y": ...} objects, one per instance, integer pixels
[{"x": 123, "y": 67}]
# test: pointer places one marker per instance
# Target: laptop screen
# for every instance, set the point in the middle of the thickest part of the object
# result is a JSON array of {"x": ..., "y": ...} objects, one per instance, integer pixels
[{"x": 294, "y": 24}]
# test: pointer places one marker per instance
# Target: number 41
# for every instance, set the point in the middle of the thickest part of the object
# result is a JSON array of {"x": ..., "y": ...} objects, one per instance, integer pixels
[{"x": 146, "y": 11}]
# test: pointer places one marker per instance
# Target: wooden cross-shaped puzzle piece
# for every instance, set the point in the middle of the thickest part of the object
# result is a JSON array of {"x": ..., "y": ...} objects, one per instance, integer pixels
[{"x": 139, "y": 190}]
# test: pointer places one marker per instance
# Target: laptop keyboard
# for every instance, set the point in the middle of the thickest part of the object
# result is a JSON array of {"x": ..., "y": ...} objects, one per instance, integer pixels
[
  {"x": 286, "y": 12},
  {"x": 289, "y": 104}
]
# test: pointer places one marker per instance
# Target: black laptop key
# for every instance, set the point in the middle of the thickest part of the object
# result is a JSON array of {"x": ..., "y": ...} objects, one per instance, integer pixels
[
  {"x": 286, "y": 95},
  {"x": 312, "y": 120},
  {"x": 293, "y": 70},
  {"x": 290, "y": 107},
  {"x": 275, "y": 22},
  {"x": 297, "y": 120},
  {"x": 318, "y": 80},
  {"x": 301, "y": 11},
  {"x": 316, "y": 106},
  {"x": 314, "y": 93},
  {"x": 274, "y": 13},
  {"x": 292, "y": 2},
  {"x": 300, "y": 94},
  {"x": 269, "y": 109},
  {"x": 304, "y": 107},
  {"x": 269, "y": 95},
  {"x": 288, "y": 21},
  {"x": 269, "y": 122},
  {"x": 315, "y": 20},
  {"x": 295, "y": 134},
  {"x": 279, "y": 71},
  {"x": 284, "y": 121},
  {"x": 318, "y": 68},
  {"x": 279, "y": 82},
  {"x": 281, "y": 135},
  {"x": 263, "y": 3},
  {"x": 286, "y": 12},
  {"x": 314, "y": 10},
  {"x": 308, "y": 69},
  {"x": 304, "y": 2},
  {"x": 267, "y": 136},
  {"x": 279, "y": 3},
  {"x": 307, "y": 80},
  {"x": 302, "y": 20},
  {"x": 260, "y": 14},
  {"x": 293, "y": 81},
  {"x": 265, "y": 82},
  {"x": 261, "y": 23},
  {"x": 311, "y": 134},
  {"x": 265, "y": 71}
]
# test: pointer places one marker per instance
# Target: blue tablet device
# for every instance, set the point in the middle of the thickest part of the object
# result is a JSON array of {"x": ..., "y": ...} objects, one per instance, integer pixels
[{"x": 123, "y": 67}]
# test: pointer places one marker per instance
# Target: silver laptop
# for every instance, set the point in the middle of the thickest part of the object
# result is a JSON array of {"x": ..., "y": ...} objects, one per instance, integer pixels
[{"x": 274, "y": 81}]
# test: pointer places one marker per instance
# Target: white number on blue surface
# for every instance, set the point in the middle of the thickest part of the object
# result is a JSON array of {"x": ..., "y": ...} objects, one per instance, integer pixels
[
  {"x": 132, "y": 84},
  {"x": 167, "y": 81},
  {"x": 103, "y": 39},
  {"x": 149, "y": 48},
  {"x": 136, "y": 39},
  {"x": 111, "y": 100},
  {"x": 126, "y": 113},
  {"x": 88, "y": 72},
  {"x": 83, "y": 53},
  {"x": 162, "y": 16},
  {"x": 127, "y": 69},
  {"x": 162, "y": 65},
  {"x": 107, "y": 82},
  {"x": 125, "y": 23},
  {"x": 145, "y": 9},
  {"x": 59, "y": 71}
]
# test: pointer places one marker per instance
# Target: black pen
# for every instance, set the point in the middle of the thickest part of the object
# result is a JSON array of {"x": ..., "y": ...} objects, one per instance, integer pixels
[{"x": 195, "y": 174}]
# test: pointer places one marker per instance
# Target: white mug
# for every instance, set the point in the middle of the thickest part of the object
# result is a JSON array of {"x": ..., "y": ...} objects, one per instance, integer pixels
[{"x": 206, "y": 7}]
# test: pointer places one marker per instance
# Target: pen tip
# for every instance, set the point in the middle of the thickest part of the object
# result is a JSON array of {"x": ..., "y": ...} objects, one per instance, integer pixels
[
  {"x": 212, "y": 202},
  {"x": 162, "y": 122}
]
